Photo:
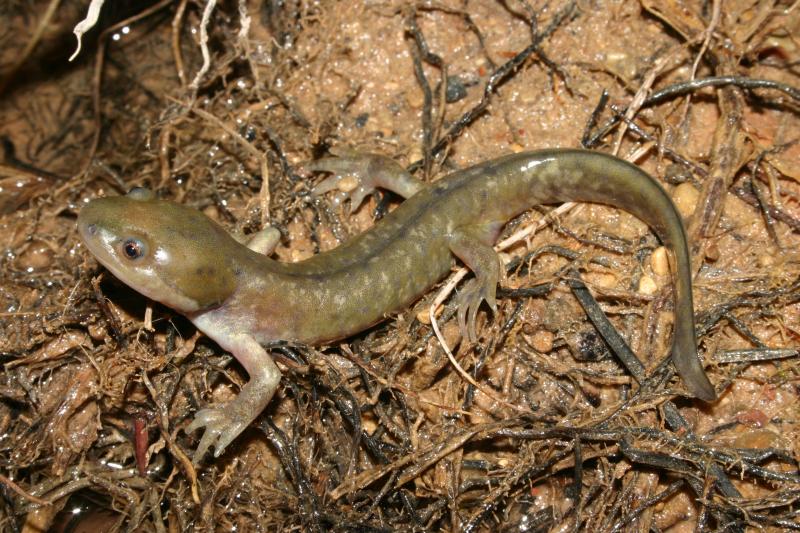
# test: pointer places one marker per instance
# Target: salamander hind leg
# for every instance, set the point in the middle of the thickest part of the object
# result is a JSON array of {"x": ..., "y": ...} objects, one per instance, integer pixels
[
  {"x": 469, "y": 245},
  {"x": 366, "y": 172}
]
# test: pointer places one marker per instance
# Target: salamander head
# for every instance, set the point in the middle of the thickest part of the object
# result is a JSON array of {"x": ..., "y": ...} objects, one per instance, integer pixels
[{"x": 168, "y": 252}]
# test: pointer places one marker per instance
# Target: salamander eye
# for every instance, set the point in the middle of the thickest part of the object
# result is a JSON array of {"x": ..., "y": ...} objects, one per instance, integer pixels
[{"x": 133, "y": 249}]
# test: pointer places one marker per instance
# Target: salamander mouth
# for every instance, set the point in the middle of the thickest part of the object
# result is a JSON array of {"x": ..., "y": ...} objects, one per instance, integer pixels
[{"x": 98, "y": 241}]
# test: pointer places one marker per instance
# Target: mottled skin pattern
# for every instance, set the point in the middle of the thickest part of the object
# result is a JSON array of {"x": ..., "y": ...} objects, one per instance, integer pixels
[{"x": 242, "y": 299}]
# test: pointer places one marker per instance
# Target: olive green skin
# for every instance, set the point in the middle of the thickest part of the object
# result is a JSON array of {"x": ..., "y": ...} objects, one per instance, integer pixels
[
  {"x": 200, "y": 269},
  {"x": 232, "y": 292}
]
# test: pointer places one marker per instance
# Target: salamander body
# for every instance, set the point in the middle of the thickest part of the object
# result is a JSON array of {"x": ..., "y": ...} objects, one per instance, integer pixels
[{"x": 243, "y": 299}]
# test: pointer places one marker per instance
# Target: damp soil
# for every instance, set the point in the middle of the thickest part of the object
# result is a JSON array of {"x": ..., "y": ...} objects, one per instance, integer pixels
[{"x": 381, "y": 432}]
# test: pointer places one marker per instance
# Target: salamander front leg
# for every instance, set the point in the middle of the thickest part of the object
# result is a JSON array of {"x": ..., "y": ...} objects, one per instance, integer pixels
[
  {"x": 470, "y": 246},
  {"x": 224, "y": 423},
  {"x": 370, "y": 171}
]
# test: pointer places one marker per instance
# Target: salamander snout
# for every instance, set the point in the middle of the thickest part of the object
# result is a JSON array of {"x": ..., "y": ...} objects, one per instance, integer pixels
[{"x": 87, "y": 230}]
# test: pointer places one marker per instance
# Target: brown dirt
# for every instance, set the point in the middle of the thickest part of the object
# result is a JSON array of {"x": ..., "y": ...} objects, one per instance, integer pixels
[{"x": 92, "y": 370}]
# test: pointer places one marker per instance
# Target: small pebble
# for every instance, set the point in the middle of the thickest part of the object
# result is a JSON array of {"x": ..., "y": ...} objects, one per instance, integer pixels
[
  {"x": 587, "y": 345},
  {"x": 37, "y": 256},
  {"x": 605, "y": 280},
  {"x": 298, "y": 255},
  {"x": 647, "y": 286},
  {"x": 659, "y": 262},
  {"x": 754, "y": 418},
  {"x": 676, "y": 174},
  {"x": 455, "y": 90},
  {"x": 759, "y": 439},
  {"x": 685, "y": 197},
  {"x": 712, "y": 253},
  {"x": 765, "y": 260},
  {"x": 211, "y": 212},
  {"x": 97, "y": 332},
  {"x": 361, "y": 120},
  {"x": 415, "y": 99},
  {"x": 542, "y": 341},
  {"x": 425, "y": 317},
  {"x": 621, "y": 62}
]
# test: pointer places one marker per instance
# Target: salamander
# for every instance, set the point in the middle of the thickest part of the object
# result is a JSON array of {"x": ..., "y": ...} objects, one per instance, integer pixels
[{"x": 242, "y": 299}]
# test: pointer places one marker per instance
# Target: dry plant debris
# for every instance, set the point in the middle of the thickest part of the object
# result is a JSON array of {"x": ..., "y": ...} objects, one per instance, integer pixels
[{"x": 578, "y": 422}]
